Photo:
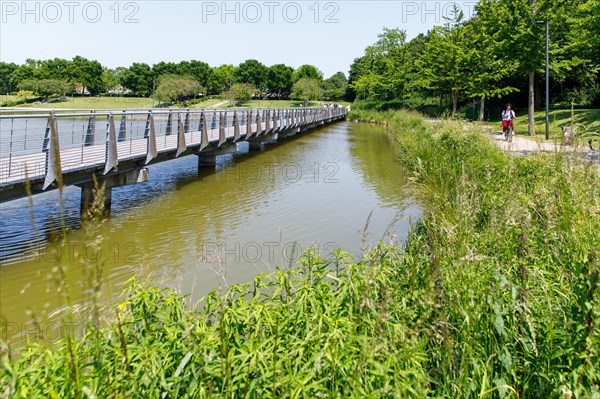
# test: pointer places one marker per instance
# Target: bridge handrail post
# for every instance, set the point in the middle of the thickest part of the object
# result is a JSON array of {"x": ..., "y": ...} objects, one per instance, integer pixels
[
  {"x": 181, "y": 146},
  {"x": 53, "y": 165},
  {"x": 236, "y": 126},
  {"x": 222, "y": 121},
  {"x": 111, "y": 159},
  {"x": 151, "y": 150},
  {"x": 204, "y": 134},
  {"x": 90, "y": 132}
]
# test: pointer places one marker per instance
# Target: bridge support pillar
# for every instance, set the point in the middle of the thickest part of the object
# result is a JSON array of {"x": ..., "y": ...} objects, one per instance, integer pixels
[
  {"x": 282, "y": 136},
  {"x": 207, "y": 160},
  {"x": 99, "y": 196},
  {"x": 256, "y": 142}
]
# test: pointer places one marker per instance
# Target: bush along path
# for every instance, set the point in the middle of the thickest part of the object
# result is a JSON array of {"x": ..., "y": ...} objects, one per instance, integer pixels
[{"x": 495, "y": 295}]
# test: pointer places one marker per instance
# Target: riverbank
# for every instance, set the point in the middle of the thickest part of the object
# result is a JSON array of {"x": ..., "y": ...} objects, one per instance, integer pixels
[{"x": 495, "y": 293}]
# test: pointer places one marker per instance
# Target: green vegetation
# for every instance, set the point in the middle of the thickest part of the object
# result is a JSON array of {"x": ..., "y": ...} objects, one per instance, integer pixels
[
  {"x": 173, "y": 88},
  {"x": 95, "y": 103},
  {"x": 494, "y": 295},
  {"x": 497, "y": 56},
  {"x": 82, "y": 76},
  {"x": 239, "y": 94}
]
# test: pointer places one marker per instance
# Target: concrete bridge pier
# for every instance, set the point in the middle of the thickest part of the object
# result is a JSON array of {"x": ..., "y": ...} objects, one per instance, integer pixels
[
  {"x": 207, "y": 160},
  {"x": 90, "y": 192},
  {"x": 256, "y": 142}
]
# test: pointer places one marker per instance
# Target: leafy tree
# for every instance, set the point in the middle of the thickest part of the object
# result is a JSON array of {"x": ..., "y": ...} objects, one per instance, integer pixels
[
  {"x": 221, "y": 77},
  {"x": 240, "y": 93},
  {"x": 199, "y": 70},
  {"x": 111, "y": 78},
  {"x": 172, "y": 88},
  {"x": 444, "y": 65},
  {"x": 22, "y": 72},
  {"x": 138, "y": 78},
  {"x": 6, "y": 71},
  {"x": 390, "y": 64},
  {"x": 280, "y": 78},
  {"x": 164, "y": 68},
  {"x": 306, "y": 89},
  {"x": 307, "y": 71},
  {"x": 253, "y": 72},
  {"x": 335, "y": 87},
  {"x": 86, "y": 72},
  {"x": 56, "y": 68},
  {"x": 44, "y": 87}
]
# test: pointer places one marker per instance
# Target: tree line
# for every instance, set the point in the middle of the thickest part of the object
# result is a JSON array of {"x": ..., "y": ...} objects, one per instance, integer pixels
[
  {"x": 497, "y": 55},
  {"x": 171, "y": 81}
]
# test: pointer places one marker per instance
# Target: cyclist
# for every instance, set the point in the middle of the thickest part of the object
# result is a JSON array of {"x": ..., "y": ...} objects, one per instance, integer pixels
[{"x": 508, "y": 115}]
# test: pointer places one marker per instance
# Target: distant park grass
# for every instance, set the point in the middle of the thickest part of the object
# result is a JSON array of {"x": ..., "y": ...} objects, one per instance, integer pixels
[
  {"x": 94, "y": 103},
  {"x": 7, "y": 97}
]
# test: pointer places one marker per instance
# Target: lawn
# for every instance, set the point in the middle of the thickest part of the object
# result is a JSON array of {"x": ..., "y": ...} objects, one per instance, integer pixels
[
  {"x": 7, "y": 97},
  {"x": 95, "y": 103},
  {"x": 588, "y": 118}
]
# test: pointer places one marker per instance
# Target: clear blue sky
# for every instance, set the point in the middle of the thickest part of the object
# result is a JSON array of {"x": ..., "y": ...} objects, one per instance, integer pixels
[{"x": 326, "y": 34}]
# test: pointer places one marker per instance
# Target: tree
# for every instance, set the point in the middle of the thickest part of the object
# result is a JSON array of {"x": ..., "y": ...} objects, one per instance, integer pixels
[
  {"x": 138, "y": 78},
  {"x": 335, "y": 87},
  {"x": 445, "y": 67},
  {"x": 44, "y": 87},
  {"x": 6, "y": 71},
  {"x": 221, "y": 77},
  {"x": 240, "y": 93},
  {"x": 279, "y": 78},
  {"x": 306, "y": 89},
  {"x": 253, "y": 72},
  {"x": 111, "y": 78},
  {"x": 172, "y": 88},
  {"x": 390, "y": 64},
  {"x": 199, "y": 70},
  {"x": 164, "y": 68},
  {"x": 86, "y": 72},
  {"x": 307, "y": 71}
]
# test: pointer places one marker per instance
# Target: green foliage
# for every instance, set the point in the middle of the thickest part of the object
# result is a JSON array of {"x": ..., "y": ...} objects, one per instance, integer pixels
[
  {"x": 306, "y": 89},
  {"x": 280, "y": 78},
  {"x": 44, "y": 87},
  {"x": 138, "y": 78},
  {"x": 174, "y": 87},
  {"x": 240, "y": 93},
  {"x": 221, "y": 77},
  {"x": 335, "y": 87},
  {"x": 252, "y": 72},
  {"x": 307, "y": 71},
  {"x": 504, "y": 264},
  {"x": 495, "y": 294}
]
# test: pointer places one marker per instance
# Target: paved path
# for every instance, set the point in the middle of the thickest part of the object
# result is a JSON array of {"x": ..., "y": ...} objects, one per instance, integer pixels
[{"x": 525, "y": 146}]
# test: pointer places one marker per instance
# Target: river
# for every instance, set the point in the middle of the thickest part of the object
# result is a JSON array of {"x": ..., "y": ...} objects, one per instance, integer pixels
[{"x": 337, "y": 187}]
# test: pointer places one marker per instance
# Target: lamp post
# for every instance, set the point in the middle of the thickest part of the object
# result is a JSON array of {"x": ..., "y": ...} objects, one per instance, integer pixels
[{"x": 547, "y": 75}]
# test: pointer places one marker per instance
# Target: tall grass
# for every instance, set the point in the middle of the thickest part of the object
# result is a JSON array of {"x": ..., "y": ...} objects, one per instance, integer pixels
[{"x": 494, "y": 295}]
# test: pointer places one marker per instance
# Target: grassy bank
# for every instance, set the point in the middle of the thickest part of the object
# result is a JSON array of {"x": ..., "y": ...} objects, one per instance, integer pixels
[{"x": 495, "y": 295}]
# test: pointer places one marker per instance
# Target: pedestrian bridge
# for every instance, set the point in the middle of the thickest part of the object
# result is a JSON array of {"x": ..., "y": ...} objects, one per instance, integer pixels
[{"x": 41, "y": 151}]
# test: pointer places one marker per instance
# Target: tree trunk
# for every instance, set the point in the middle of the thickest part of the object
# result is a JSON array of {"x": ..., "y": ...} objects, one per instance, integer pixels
[
  {"x": 481, "y": 108},
  {"x": 531, "y": 109},
  {"x": 454, "y": 102}
]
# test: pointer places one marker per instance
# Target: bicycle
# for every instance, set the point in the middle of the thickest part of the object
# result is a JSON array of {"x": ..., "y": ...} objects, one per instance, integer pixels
[{"x": 509, "y": 133}]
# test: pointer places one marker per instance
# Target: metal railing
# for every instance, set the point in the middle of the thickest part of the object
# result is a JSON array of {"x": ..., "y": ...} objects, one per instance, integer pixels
[{"x": 42, "y": 145}]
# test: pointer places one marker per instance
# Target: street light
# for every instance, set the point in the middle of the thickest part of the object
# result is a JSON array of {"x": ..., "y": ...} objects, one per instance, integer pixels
[{"x": 547, "y": 74}]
